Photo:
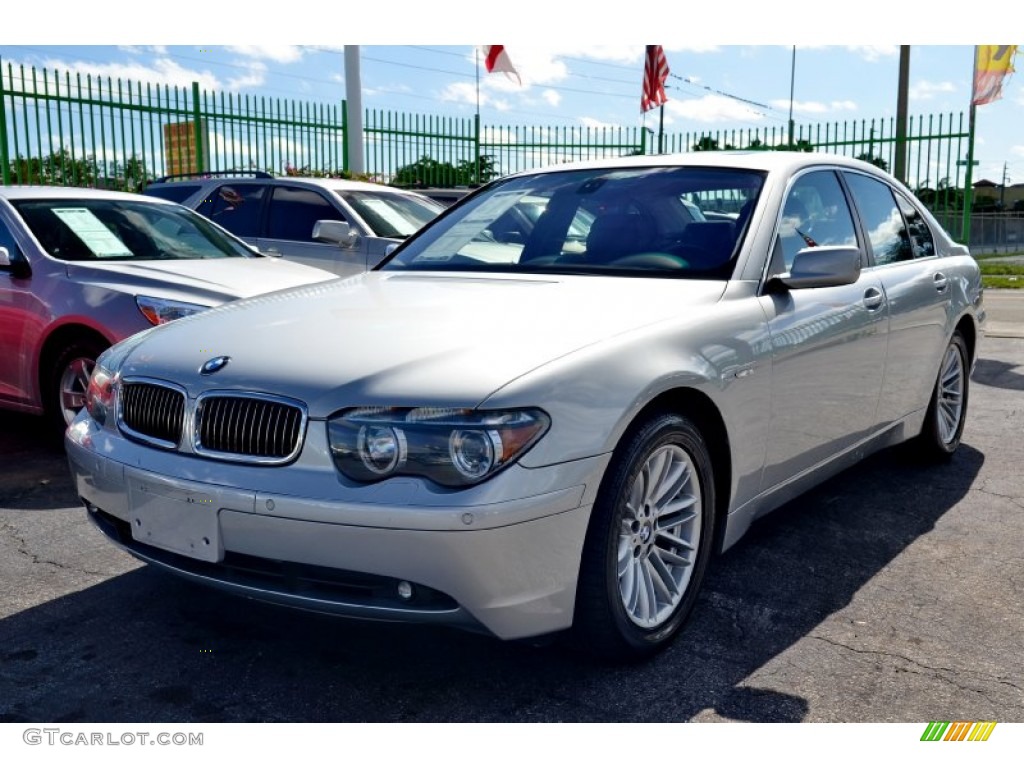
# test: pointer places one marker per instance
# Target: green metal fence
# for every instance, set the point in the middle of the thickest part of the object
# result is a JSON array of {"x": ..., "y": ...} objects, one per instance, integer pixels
[{"x": 68, "y": 129}]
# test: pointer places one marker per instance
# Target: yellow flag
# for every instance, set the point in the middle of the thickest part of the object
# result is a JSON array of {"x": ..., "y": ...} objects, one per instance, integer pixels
[{"x": 992, "y": 63}]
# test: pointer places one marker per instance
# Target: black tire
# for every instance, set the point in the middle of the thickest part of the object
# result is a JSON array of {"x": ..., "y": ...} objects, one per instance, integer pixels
[
  {"x": 65, "y": 381},
  {"x": 623, "y": 610},
  {"x": 947, "y": 411}
]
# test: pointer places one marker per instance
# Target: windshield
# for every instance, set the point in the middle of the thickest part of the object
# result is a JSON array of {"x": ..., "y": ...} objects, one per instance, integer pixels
[
  {"x": 124, "y": 230},
  {"x": 392, "y": 214},
  {"x": 665, "y": 221}
]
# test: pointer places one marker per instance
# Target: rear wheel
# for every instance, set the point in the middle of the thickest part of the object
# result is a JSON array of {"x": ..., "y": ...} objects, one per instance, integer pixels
[
  {"x": 947, "y": 411},
  {"x": 67, "y": 381},
  {"x": 648, "y": 543}
]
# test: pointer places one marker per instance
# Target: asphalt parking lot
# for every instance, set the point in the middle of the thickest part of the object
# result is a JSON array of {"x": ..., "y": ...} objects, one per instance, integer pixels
[{"x": 893, "y": 593}]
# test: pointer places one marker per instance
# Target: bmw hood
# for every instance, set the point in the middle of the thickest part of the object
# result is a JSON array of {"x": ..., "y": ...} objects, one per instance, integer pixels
[
  {"x": 393, "y": 338},
  {"x": 198, "y": 281}
]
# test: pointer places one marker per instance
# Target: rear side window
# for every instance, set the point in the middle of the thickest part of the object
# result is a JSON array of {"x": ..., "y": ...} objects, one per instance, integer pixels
[
  {"x": 176, "y": 193},
  {"x": 293, "y": 212},
  {"x": 882, "y": 218},
  {"x": 922, "y": 243},
  {"x": 237, "y": 208}
]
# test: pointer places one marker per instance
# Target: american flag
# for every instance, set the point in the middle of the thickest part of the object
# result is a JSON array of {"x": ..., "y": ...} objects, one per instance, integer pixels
[{"x": 655, "y": 75}]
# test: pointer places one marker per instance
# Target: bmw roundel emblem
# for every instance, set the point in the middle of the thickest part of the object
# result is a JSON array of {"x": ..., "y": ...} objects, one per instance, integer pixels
[{"x": 213, "y": 365}]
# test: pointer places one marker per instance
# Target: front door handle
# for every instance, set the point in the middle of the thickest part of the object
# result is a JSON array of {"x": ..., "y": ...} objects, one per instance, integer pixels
[{"x": 873, "y": 299}]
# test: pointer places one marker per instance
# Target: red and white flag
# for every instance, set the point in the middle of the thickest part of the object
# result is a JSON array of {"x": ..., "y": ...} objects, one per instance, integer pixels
[
  {"x": 496, "y": 60},
  {"x": 655, "y": 75}
]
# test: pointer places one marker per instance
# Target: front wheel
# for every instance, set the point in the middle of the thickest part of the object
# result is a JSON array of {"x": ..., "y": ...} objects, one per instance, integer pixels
[
  {"x": 649, "y": 541},
  {"x": 67, "y": 381},
  {"x": 947, "y": 411}
]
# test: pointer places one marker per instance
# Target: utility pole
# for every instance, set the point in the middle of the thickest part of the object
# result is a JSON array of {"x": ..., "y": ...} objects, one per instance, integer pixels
[
  {"x": 354, "y": 97},
  {"x": 900, "y": 161}
]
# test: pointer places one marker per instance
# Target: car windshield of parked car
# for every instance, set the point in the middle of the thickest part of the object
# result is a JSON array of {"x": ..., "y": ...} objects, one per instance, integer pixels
[
  {"x": 656, "y": 221},
  {"x": 391, "y": 214},
  {"x": 124, "y": 230}
]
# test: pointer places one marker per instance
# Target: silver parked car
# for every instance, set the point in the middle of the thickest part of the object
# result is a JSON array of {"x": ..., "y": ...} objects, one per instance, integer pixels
[
  {"x": 345, "y": 227},
  {"x": 549, "y": 430},
  {"x": 81, "y": 269}
]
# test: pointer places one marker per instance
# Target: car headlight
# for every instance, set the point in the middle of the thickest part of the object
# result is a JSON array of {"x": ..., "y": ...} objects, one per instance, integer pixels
[
  {"x": 451, "y": 446},
  {"x": 100, "y": 394},
  {"x": 160, "y": 311}
]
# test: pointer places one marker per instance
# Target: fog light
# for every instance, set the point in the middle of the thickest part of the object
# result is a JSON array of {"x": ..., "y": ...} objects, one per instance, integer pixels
[{"x": 405, "y": 590}]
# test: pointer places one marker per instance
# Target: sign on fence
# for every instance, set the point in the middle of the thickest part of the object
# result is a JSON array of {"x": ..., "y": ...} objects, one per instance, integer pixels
[{"x": 180, "y": 147}]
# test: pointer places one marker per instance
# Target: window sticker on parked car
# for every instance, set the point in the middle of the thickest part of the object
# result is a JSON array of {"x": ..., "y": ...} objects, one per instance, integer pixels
[
  {"x": 471, "y": 227},
  {"x": 93, "y": 232},
  {"x": 395, "y": 218}
]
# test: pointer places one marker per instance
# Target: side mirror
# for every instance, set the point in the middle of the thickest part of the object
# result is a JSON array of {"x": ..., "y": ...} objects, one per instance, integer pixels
[
  {"x": 821, "y": 267},
  {"x": 337, "y": 232},
  {"x": 15, "y": 265}
]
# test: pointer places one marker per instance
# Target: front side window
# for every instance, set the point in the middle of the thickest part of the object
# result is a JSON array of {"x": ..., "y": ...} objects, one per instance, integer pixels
[
  {"x": 815, "y": 213},
  {"x": 623, "y": 221},
  {"x": 391, "y": 214},
  {"x": 123, "y": 230},
  {"x": 294, "y": 212},
  {"x": 882, "y": 219}
]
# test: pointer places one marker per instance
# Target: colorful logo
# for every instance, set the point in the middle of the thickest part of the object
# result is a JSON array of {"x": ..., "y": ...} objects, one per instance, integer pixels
[{"x": 959, "y": 731}]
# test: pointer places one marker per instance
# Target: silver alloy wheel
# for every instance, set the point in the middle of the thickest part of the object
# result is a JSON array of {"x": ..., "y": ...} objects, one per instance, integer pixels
[
  {"x": 950, "y": 395},
  {"x": 74, "y": 382},
  {"x": 658, "y": 535}
]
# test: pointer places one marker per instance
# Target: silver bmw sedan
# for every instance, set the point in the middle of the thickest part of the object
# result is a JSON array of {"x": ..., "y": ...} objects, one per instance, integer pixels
[{"x": 551, "y": 407}]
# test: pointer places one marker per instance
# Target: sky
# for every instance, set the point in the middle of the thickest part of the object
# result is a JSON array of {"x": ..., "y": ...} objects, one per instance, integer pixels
[{"x": 730, "y": 70}]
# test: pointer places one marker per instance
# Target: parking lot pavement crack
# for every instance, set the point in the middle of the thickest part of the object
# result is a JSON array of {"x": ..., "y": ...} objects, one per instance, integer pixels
[
  {"x": 937, "y": 671},
  {"x": 22, "y": 547},
  {"x": 1015, "y": 500}
]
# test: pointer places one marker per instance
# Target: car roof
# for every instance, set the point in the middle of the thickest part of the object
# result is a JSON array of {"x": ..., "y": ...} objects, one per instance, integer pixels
[
  {"x": 32, "y": 192},
  {"x": 764, "y": 160},
  {"x": 324, "y": 183}
]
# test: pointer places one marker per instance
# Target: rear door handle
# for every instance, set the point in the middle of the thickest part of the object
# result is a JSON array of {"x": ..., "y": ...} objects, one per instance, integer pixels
[
  {"x": 940, "y": 282},
  {"x": 873, "y": 299}
]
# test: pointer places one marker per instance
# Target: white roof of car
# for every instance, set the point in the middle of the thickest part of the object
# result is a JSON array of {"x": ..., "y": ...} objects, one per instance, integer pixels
[
  {"x": 766, "y": 160},
  {"x": 30, "y": 192}
]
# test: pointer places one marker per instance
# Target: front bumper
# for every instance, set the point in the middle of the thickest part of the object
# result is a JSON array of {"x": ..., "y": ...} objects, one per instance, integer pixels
[{"x": 473, "y": 559}]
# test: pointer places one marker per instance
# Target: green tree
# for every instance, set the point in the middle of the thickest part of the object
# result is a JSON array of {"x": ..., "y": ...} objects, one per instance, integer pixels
[
  {"x": 876, "y": 161},
  {"x": 428, "y": 172},
  {"x": 59, "y": 168}
]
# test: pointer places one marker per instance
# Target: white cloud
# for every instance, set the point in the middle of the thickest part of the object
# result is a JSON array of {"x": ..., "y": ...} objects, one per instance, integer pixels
[
  {"x": 590, "y": 122},
  {"x": 1018, "y": 149},
  {"x": 552, "y": 98},
  {"x": 874, "y": 52},
  {"x": 807, "y": 107},
  {"x": 163, "y": 71},
  {"x": 713, "y": 109},
  {"x": 282, "y": 54},
  {"x": 844, "y": 106},
  {"x": 253, "y": 78},
  {"x": 925, "y": 89},
  {"x": 462, "y": 93}
]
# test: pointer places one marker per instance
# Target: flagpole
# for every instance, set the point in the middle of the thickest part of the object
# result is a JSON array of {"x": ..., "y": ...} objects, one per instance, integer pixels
[
  {"x": 476, "y": 127},
  {"x": 661, "y": 129},
  {"x": 965, "y": 226}
]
